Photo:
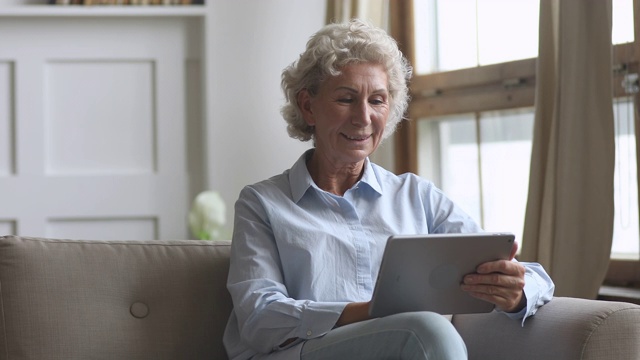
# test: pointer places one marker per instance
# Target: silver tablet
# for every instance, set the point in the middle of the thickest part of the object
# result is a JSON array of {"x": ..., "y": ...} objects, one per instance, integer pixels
[{"x": 424, "y": 272}]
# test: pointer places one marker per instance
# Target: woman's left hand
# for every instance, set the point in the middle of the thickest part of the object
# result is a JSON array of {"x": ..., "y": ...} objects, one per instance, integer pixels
[{"x": 499, "y": 282}]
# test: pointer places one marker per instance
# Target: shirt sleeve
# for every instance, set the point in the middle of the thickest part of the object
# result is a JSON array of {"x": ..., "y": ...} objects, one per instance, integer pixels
[
  {"x": 266, "y": 315},
  {"x": 443, "y": 215}
]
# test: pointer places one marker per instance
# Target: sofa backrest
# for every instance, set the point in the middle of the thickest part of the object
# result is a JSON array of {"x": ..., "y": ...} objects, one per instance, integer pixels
[{"x": 74, "y": 299}]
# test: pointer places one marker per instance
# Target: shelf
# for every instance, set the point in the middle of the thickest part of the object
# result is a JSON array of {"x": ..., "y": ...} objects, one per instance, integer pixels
[{"x": 103, "y": 11}]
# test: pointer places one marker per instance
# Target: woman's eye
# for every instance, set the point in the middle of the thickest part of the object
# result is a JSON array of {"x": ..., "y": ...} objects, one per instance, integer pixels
[
  {"x": 345, "y": 100},
  {"x": 376, "y": 101}
]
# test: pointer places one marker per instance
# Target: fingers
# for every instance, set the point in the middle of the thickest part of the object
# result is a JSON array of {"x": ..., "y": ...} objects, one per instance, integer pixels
[
  {"x": 498, "y": 282},
  {"x": 503, "y": 267},
  {"x": 495, "y": 280},
  {"x": 509, "y": 300},
  {"x": 507, "y": 304},
  {"x": 514, "y": 250}
]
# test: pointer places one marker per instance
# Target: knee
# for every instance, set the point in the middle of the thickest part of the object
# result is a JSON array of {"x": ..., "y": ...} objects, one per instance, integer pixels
[
  {"x": 435, "y": 334},
  {"x": 428, "y": 322}
]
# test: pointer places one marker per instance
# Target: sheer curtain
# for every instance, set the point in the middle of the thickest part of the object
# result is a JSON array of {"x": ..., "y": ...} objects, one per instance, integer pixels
[
  {"x": 374, "y": 11},
  {"x": 569, "y": 218}
]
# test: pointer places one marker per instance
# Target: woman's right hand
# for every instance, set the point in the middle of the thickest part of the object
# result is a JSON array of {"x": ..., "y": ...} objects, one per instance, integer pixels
[{"x": 354, "y": 312}]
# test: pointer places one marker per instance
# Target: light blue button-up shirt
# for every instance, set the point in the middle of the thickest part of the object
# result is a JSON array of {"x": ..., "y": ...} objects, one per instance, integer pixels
[{"x": 300, "y": 254}]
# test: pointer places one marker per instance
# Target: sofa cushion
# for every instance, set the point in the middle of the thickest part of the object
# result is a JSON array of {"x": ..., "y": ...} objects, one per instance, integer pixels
[{"x": 74, "y": 299}]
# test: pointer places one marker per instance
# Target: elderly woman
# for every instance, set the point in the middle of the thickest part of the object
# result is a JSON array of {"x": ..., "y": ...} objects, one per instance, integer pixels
[{"x": 307, "y": 244}]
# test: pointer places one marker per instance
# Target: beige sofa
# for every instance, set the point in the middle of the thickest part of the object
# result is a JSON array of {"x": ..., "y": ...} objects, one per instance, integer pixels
[{"x": 67, "y": 299}]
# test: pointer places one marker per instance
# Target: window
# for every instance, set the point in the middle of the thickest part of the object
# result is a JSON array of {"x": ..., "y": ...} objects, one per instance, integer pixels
[
  {"x": 625, "y": 227},
  {"x": 473, "y": 98},
  {"x": 452, "y": 35},
  {"x": 464, "y": 155},
  {"x": 626, "y": 236},
  {"x": 479, "y": 157}
]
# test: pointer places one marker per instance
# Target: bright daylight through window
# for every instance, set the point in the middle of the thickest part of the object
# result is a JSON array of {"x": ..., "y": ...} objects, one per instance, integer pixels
[{"x": 481, "y": 158}]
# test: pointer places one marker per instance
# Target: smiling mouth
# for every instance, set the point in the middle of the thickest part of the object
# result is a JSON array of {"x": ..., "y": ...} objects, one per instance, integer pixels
[{"x": 357, "y": 138}]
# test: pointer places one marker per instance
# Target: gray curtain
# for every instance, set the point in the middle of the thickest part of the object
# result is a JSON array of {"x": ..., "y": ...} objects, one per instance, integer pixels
[
  {"x": 569, "y": 216},
  {"x": 374, "y": 11}
]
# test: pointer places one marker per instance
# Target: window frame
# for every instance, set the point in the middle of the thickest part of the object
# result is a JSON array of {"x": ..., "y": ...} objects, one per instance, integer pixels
[{"x": 494, "y": 87}]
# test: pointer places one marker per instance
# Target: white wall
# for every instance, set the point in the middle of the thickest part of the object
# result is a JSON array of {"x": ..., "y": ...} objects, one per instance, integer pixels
[
  {"x": 248, "y": 44},
  {"x": 251, "y": 43},
  {"x": 92, "y": 109}
]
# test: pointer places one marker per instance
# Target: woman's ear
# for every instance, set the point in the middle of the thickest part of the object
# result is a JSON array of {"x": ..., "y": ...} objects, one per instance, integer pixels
[{"x": 304, "y": 103}]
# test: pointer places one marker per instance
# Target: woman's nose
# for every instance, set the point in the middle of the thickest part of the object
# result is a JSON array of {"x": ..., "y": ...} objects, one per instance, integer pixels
[{"x": 361, "y": 117}]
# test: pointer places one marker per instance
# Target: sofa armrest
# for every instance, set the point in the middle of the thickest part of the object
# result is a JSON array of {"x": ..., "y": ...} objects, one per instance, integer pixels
[{"x": 565, "y": 328}]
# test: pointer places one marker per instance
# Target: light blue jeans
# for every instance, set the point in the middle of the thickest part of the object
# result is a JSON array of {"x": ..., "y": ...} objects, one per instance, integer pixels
[{"x": 415, "y": 335}]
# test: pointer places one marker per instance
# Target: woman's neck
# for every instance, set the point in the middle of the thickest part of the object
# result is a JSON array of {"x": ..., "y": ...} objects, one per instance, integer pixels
[{"x": 331, "y": 178}]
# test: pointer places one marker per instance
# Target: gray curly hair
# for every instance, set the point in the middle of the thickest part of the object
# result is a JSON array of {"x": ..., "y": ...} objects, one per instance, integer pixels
[{"x": 330, "y": 49}]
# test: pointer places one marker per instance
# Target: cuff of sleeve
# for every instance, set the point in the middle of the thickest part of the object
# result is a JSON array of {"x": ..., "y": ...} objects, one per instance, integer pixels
[
  {"x": 318, "y": 318},
  {"x": 531, "y": 291}
]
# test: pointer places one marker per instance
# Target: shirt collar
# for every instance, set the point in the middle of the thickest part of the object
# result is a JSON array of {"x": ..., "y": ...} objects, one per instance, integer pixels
[
  {"x": 369, "y": 177},
  {"x": 301, "y": 180},
  {"x": 299, "y": 176}
]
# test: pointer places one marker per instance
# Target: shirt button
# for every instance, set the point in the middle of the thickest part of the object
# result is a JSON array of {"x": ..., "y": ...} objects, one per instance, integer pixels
[{"x": 309, "y": 333}]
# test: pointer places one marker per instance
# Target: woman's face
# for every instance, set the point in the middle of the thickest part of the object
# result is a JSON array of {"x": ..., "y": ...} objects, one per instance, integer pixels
[{"x": 349, "y": 113}]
